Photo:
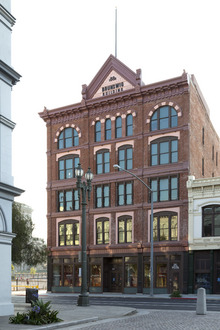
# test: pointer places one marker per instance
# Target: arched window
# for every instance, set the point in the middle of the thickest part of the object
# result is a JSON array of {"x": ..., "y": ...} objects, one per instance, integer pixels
[
  {"x": 68, "y": 138},
  {"x": 67, "y": 167},
  {"x": 102, "y": 161},
  {"x": 108, "y": 129},
  {"x": 164, "y": 151},
  {"x": 98, "y": 131},
  {"x": 165, "y": 226},
  {"x": 211, "y": 220},
  {"x": 118, "y": 127},
  {"x": 129, "y": 125},
  {"x": 164, "y": 117},
  {"x": 102, "y": 231},
  {"x": 125, "y": 157},
  {"x": 124, "y": 229},
  {"x": 68, "y": 233}
]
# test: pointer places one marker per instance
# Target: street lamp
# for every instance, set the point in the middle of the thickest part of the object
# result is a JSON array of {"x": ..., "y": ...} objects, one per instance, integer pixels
[
  {"x": 151, "y": 229},
  {"x": 83, "y": 187}
]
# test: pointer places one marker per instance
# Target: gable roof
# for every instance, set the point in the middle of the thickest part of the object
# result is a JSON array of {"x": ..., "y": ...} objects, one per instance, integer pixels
[{"x": 111, "y": 73}]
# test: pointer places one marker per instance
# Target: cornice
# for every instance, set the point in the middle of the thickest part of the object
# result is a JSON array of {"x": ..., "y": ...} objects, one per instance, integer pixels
[
  {"x": 145, "y": 94},
  {"x": 4, "y": 13},
  {"x": 7, "y": 122},
  {"x": 9, "y": 72}
]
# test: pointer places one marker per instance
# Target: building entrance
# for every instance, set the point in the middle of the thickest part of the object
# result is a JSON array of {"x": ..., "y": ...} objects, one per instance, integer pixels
[{"x": 112, "y": 277}]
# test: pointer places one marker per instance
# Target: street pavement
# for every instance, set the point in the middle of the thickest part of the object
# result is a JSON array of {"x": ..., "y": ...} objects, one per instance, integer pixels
[{"x": 116, "y": 318}]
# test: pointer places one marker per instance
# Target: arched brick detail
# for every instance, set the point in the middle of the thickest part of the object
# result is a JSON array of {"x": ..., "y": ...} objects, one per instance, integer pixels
[
  {"x": 172, "y": 104},
  {"x": 123, "y": 115},
  {"x": 66, "y": 126}
]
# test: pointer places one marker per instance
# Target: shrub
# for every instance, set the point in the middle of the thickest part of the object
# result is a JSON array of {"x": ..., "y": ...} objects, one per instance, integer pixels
[
  {"x": 39, "y": 314},
  {"x": 175, "y": 294}
]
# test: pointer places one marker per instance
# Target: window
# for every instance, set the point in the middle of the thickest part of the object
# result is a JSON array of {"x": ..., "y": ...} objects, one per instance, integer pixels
[
  {"x": 129, "y": 125},
  {"x": 102, "y": 231},
  {"x": 102, "y": 196},
  {"x": 131, "y": 272},
  {"x": 165, "y": 226},
  {"x": 67, "y": 167},
  {"x": 124, "y": 229},
  {"x": 118, "y": 127},
  {"x": 68, "y": 233},
  {"x": 125, "y": 157},
  {"x": 211, "y": 220},
  {"x": 108, "y": 129},
  {"x": 102, "y": 161},
  {"x": 124, "y": 193},
  {"x": 68, "y": 138},
  {"x": 165, "y": 189},
  {"x": 68, "y": 200},
  {"x": 98, "y": 131},
  {"x": 164, "y": 151},
  {"x": 164, "y": 117}
]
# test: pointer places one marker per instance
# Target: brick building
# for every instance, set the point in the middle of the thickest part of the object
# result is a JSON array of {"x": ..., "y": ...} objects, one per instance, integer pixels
[{"x": 162, "y": 133}]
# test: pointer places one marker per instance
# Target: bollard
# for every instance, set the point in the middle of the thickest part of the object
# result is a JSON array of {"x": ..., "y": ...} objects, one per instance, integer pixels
[{"x": 201, "y": 302}]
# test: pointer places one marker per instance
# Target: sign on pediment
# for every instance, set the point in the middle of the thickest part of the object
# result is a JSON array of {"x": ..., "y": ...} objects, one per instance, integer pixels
[{"x": 114, "y": 83}]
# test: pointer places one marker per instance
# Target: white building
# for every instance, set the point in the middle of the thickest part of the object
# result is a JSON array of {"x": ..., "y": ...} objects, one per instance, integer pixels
[
  {"x": 204, "y": 234},
  {"x": 8, "y": 78}
]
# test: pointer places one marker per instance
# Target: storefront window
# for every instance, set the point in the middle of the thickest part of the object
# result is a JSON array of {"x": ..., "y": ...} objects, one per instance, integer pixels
[
  {"x": 147, "y": 275},
  {"x": 161, "y": 280},
  {"x": 130, "y": 273},
  {"x": 77, "y": 275},
  {"x": 56, "y": 274},
  {"x": 95, "y": 275},
  {"x": 68, "y": 275}
]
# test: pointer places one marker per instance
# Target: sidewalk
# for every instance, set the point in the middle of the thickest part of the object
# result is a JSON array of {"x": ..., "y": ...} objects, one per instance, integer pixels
[{"x": 73, "y": 315}]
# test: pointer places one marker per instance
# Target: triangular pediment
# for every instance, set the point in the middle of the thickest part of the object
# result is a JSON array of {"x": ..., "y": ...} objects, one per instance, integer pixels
[{"x": 113, "y": 77}]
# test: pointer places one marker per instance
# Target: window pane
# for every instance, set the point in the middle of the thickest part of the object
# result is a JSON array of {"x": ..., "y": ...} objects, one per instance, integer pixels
[
  {"x": 174, "y": 189},
  {"x": 108, "y": 129},
  {"x": 69, "y": 234},
  {"x": 128, "y": 193},
  {"x": 154, "y": 189},
  {"x": 60, "y": 142},
  {"x": 76, "y": 137},
  {"x": 174, "y": 118},
  {"x": 76, "y": 232},
  {"x": 129, "y": 231},
  {"x": 61, "y": 235},
  {"x": 129, "y": 159},
  {"x": 155, "y": 234},
  {"x": 154, "y": 121},
  {"x": 118, "y": 130},
  {"x": 164, "y": 152},
  {"x": 106, "y": 232},
  {"x": 99, "y": 232},
  {"x": 76, "y": 199},
  {"x": 207, "y": 225},
  {"x": 69, "y": 168},
  {"x": 99, "y": 197},
  {"x": 61, "y": 201},
  {"x": 129, "y": 125},
  {"x": 106, "y": 196},
  {"x": 68, "y": 137},
  {"x": 121, "y": 231},
  {"x": 161, "y": 279},
  {"x": 106, "y": 162},
  {"x": 61, "y": 169},
  {"x": 120, "y": 194},
  {"x": 164, "y": 228},
  {"x": 164, "y": 117},
  {"x": 174, "y": 228},
  {"x": 164, "y": 193},
  {"x": 69, "y": 204}
]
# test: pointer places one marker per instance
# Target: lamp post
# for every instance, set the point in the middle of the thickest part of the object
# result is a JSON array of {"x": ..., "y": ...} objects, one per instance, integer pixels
[
  {"x": 151, "y": 229},
  {"x": 83, "y": 187}
]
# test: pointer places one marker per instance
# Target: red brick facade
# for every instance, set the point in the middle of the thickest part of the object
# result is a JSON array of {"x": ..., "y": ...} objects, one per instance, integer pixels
[{"x": 111, "y": 264}]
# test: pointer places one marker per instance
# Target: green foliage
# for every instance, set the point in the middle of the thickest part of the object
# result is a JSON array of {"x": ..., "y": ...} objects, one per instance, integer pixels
[
  {"x": 175, "y": 294},
  {"x": 25, "y": 248},
  {"x": 39, "y": 314}
]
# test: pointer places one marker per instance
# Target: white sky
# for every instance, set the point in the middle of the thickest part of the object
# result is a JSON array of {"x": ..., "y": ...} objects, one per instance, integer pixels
[{"x": 59, "y": 45}]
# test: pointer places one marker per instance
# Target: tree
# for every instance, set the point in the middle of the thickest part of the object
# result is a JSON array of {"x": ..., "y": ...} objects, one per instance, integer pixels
[{"x": 25, "y": 248}]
